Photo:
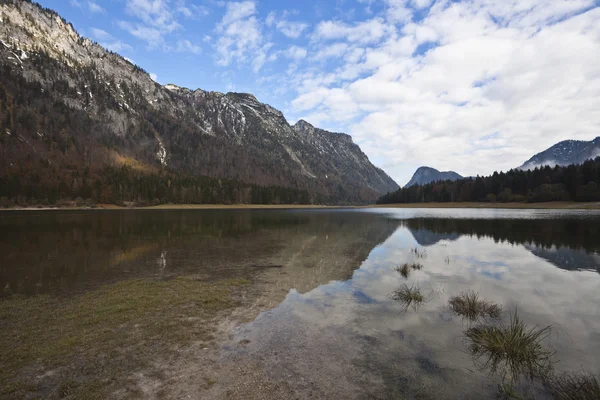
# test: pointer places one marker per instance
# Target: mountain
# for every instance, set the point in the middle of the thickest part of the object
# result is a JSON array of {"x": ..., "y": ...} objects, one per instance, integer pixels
[
  {"x": 425, "y": 175},
  {"x": 564, "y": 153},
  {"x": 71, "y": 110}
]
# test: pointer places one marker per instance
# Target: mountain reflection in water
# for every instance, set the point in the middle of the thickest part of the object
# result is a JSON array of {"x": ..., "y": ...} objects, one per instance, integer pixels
[
  {"x": 566, "y": 243},
  {"x": 351, "y": 339},
  {"x": 322, "y": 284}
]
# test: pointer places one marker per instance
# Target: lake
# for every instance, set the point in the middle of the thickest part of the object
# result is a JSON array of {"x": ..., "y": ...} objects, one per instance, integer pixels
[{"x": 317, "y": 317}]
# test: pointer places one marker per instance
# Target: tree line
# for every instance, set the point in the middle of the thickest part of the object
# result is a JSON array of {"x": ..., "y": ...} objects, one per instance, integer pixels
[
  {"x": 576, "y": 182},
  {"x": 124, "y": 185}
]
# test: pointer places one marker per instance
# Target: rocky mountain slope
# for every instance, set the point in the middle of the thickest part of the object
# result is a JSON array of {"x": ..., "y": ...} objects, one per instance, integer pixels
[
  {"x": 425, "y": 175},
  {"x": 67, "y": 104},
  {"x": 565, "y": 153}
]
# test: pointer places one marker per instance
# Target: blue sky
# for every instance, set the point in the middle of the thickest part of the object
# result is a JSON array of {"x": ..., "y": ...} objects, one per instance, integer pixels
[
  {"x": 473, "y": 86},
  {"x": 178, "y": 40}
]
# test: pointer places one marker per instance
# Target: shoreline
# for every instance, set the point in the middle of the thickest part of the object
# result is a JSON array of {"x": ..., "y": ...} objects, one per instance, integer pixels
[
  {"x": 523, "y": 206},
  {"x": 182, "y": 207},
  {"x": 554, "y": 205}
]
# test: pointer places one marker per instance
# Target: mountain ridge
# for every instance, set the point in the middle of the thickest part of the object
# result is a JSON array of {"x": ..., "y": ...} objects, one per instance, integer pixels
[
  {"x": 564, "y": 153},
  {"x": 130, "y": 116},
  {"x": 424, "y": 175}
]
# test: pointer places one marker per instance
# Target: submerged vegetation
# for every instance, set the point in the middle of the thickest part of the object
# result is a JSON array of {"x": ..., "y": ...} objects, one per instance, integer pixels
[
  {"x": 406, "y": 268},
  {"x": 408, "y": 296},
  {"x": 518, "y": 355},
  {"x": 469, "y": 306},
  {"x": 418, "y": 253},
  {"x": 511, "y": 350},
  {"x": 574, "y": 386},
  {"x": 90, "y": 344}
]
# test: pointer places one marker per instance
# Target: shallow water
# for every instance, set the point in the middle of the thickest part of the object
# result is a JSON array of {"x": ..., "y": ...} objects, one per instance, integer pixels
[{"x": 330, "y": 328}]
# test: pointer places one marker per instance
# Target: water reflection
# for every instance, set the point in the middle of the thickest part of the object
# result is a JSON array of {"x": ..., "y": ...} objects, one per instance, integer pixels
[
  {"x": 566, "y": 258},
  {"x": 332, "y": 329},
  {"x": 65, "y": 252},
  {"x": 349, "y": 339},
  {"x": 569, "y": 244}
]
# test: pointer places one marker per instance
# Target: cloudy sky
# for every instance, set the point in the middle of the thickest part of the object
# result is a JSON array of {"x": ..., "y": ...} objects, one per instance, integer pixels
[{"x": 473, "y": 86}]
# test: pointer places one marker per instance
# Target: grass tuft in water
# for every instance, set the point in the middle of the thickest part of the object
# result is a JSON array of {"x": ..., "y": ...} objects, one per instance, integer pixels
[
  {"x": 574, "y": 386},
  {"x": 469, "y": 306},
  {"x": 408, "y": 296},
  {"x": 418, "y": 253},
  {"x": 511, "y": 350},
  {"x": 405, "y": 269}
]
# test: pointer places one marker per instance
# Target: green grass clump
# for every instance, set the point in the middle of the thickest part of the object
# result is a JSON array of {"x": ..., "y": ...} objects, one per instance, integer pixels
[
  {"x": 406, "y": 268},
  {"x": 408, "y": 296},
  {"x": 469, "y": 306},
  {"x": 573, "y": 386},
  {"x": 511, "y": 350}
]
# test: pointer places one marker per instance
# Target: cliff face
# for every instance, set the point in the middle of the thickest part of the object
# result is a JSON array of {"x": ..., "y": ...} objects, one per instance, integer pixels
[{"x": 70, "y": 104}]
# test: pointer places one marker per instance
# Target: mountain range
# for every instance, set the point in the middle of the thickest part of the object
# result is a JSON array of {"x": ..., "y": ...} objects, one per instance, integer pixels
[
  {"x": 425, "y": 175},
  {"x": 564, "y": 153},
  {"x": 70, "y": 108}
]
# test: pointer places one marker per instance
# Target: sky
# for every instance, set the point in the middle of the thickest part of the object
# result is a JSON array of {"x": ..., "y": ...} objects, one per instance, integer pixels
[{"x": 471, "y": 86}]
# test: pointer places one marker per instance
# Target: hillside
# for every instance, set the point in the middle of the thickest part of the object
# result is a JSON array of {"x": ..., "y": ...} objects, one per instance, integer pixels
[
  {"x": 575, "y": 182},
  {"x": 565, "y": 153},
  {"x": 71, "y": 111},
  {"x": 425, "y": 175}
]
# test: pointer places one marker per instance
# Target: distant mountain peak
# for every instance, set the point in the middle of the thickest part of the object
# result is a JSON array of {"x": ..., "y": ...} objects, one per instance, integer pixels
[
  {"x": 243, "y": 96},
  {"x": 303, "y": 124},
  {"x": 564, "y": 153},
  {"x": 308, "y": 129},
  {"x": 424, "y": 175}
]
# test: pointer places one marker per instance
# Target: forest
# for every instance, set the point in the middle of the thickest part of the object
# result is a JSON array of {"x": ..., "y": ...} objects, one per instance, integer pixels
[
  {"x": 570, "y": 183},
  {"x": 124, "y": 186}
]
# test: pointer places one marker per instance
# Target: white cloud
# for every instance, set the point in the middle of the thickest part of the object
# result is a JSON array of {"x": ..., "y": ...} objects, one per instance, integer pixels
[
  {"x": 236, "y": 11},
  {"x": 240, "y": 36},
  {"x": 291, "y": 29},
  {"x": 191, "y": 10},
  {"x": 185, "y": 46},
  {"x": 107, "y": 41},
  {"x": 153, "y": 76},
  {"x": 333, "y": 50},
  {"x": 100, "y": 34},
  {"x": 368, "y": 31},
  {"x": 498, "y": 82},
  {"x": 296, "y": 52},
  {"x": 155, "y": 19},
  {"x": 399, "y": 11},
  {"x": 153, "y": 13},
  {"x": 153, "y": 36},
  {"x": 116, "y": 45},
  {"x": 94, "y": 7}
]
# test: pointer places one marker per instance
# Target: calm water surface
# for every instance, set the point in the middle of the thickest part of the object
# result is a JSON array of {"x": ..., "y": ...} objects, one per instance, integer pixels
[{"x": 331, "y": 328}]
